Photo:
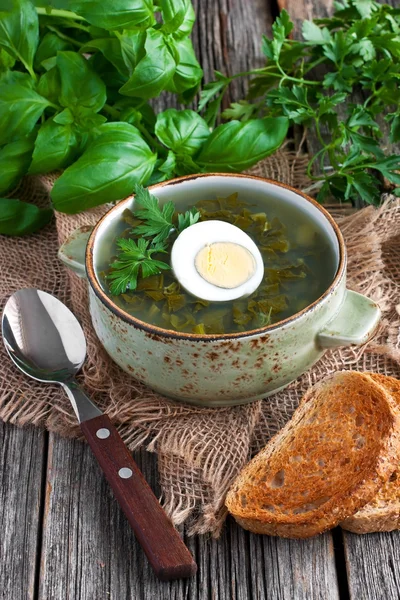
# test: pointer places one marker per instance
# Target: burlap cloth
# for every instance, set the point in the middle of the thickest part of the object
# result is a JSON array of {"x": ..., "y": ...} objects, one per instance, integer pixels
[{"x": 199, "y": 450}]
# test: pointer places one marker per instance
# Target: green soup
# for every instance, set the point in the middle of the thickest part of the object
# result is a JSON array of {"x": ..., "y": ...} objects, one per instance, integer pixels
[{"x": 299, "y": 265}]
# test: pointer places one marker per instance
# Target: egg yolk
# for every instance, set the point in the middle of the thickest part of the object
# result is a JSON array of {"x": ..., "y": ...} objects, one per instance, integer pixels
[{"x": 225, "y": 264}]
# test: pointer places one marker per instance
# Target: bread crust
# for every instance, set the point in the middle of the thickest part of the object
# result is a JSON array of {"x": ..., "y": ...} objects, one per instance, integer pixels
[
  {"x": 383, "y": 512},
  {"x": 275, "y": 496}
]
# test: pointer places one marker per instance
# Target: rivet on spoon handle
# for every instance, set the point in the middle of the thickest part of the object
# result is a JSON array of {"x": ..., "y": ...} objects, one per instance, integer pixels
[{"x": 164, "y": 549}]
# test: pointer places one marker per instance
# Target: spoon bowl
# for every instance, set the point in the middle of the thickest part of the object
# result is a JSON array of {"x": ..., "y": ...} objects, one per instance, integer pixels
[{"x": 42, "y": 336}]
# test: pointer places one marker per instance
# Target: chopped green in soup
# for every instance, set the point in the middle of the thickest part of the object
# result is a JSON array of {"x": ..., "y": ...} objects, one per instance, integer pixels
[{"x": 135, "y": 270}]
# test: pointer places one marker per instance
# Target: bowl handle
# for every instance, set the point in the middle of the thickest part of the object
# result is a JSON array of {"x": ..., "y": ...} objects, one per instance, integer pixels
[
  {"x": 355, "y": 322},
  {"x": 72, "y": 252}
]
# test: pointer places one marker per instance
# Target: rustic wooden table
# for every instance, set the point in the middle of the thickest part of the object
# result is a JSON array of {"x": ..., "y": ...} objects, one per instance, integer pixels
[{"x": 62, "y": 535}]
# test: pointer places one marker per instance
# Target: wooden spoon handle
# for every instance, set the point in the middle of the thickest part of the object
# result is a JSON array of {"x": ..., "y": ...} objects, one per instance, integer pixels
[{"x": 155, "y": 532}]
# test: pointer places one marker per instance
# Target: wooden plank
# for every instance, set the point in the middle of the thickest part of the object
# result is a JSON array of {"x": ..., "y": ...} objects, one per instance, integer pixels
[
  {"x": 22, "y": 455},
  {"x": 373, "y": 563},
  {"x": 227, "y": 37},
  {"x": 89, "y": 550}
]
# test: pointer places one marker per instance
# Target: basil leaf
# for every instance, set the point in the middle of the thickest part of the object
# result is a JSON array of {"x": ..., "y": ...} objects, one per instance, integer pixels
[
  {"x": 113, "y": 163},
  {"x": 115, "y": 14},
  {"x": 55, "y": 148},
  {"x": 19, "y": 30},
  {"x": 132, "y": 49},
  {"x": 20, "y": 108},
  {"x": 178, "y": 17},
  {"x": 137, "y": 112},
  {"x": 21, "y": 218},
  {"x": 11, "y": 77},
  {"x": 6, "y": 61},
  {"x": 15, "y": 159},
  {"x": 65, "y": 117},
  {"x": 111, "y": 50},
  {"x": 48, "y": 48},
  {"x": 153, "y": 71},
  {"x": 108, "y": 73},
  {"x": 188, "y": 73},
  {"x": 82, "y": 90},
  {"x": 236, "y": 146},
  {"x": 184, "y": 131},
  {"x": 49, "y": 85},
  {"x": 164, "y": 169}
]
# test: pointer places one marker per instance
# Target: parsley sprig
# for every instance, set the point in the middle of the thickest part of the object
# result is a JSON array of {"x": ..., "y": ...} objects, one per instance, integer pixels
[
  {"x": 313, "y": 82},
  {"x": 157, "y": 221},
  {"x": 135, "y": 257}
]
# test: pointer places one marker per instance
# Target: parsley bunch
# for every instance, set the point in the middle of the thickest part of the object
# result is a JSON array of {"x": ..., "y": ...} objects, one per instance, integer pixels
[
  {"x": 312, "y": 82},
  {"x": 135, "y": 258}
]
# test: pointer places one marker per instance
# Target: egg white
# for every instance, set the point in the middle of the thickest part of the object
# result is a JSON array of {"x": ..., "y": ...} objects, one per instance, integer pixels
[{"x": 192, "y": 240}]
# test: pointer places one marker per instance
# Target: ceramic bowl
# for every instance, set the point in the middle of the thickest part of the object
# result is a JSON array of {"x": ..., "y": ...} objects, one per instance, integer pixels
[{"x": 226, "y": 369}]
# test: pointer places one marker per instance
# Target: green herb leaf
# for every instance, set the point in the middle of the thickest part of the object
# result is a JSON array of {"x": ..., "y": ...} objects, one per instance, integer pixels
[
  {"x": 20, "y": 108},
  {"x": 164, "y": 169},
  {"x": 115, "y": 14},
  {"x": 241, "y": 111},
  {"x": 132, "y": 48},
  {"x": 365, "y": 7},
  {"x": 281, "y": 28},
  {"x": 55, "y": 147},
  {"x": 212, "y": 88},
  {"x": 184, "y": 131},
  {"x": 154, "y": 71},
  {"x": 6, "y": 61},
  {"x": 157, "y": 220},
  {"x": 178, "y": 17},
  {"x": 21, "y": 218},
  {"x": 49, "y": 85},
  {"x": 111, "y": 49},
  {"x": 366, "y": 186},
  {"x": 236, "y": 146},
  {"x": 108, "y": 170},
  {"x": 65, "y": 117},
  {"x": 395, "y": 130},
  {"x": 19, "y": 31},
  {"x": 134, "y": 259},
  {"x": 314, "y": 34},
  {"x": 188, "y": 73},
  {"x": 388, "y": 167},
  {"x": 82, "y": 90},
  {"x": 49, "y": 45},
  {"x": 190, "y": 217},
  {"x": 15, "y": 159}
]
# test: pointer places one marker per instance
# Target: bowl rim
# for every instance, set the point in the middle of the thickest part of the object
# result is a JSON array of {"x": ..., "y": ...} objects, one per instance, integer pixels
[{"x": 156, "y": 331}]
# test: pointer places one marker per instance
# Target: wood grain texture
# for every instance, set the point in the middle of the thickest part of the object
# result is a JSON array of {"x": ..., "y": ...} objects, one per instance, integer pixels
[
  {"x": 90, "y": 552},
  {"x": 373, "y": 563},
  {"x": 166, "y": 552},
  {"x": 227, "y": 37},
  {"x": 22, "y": 453}
]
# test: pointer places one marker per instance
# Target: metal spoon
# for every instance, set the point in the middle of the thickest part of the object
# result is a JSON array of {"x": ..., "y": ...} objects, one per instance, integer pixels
[{"x": 45, "y": 341}]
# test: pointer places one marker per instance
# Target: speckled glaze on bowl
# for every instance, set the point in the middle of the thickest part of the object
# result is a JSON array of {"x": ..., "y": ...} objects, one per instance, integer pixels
[{"x": 226, "y": 369}]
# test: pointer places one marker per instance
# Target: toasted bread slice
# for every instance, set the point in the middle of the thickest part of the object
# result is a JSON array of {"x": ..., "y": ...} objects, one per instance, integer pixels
[
  {"x": 383, "y": 512},
  {"x": 330, "y": 459}
]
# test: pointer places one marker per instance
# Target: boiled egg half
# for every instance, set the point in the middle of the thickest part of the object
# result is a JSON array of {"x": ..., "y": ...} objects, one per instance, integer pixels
[{"x": 217, "y": 261}]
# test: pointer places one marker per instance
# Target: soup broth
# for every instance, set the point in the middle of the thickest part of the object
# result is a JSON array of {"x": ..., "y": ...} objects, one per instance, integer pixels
[{"x": 299, "y": 265}]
